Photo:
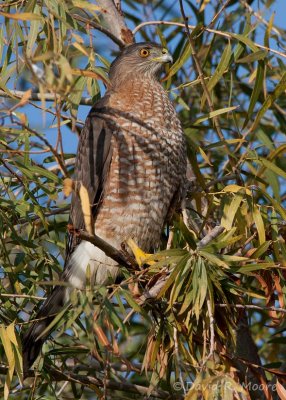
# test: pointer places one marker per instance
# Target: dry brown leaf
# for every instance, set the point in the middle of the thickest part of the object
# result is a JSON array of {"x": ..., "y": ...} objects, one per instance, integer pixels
[
  {"x": 102, "y": 338},
  {"x": 281, "y": 390}
]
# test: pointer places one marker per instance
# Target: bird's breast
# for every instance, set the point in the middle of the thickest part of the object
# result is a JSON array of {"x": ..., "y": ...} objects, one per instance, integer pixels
[{"x": 147, "y": 167}]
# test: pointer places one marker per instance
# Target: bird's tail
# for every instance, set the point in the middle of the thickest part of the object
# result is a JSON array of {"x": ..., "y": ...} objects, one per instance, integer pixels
[{"x": 33, "y": 339}]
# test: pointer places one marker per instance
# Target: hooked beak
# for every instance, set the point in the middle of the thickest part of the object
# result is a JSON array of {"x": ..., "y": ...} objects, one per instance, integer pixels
[{"x": 164, "y": 58}]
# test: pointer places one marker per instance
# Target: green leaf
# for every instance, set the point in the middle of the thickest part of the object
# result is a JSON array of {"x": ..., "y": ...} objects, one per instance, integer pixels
[
  {"x": 213, "y": 114},
  {"x": 245, "y": 40},
  {"x": 230, "y": 208},
  {"x": 33, "y": 33},
  {"x": 258, "y": 86},
  {"x": 280, "y": 88},
  {"x": 273, "y": 167},
  {"x": 220, "y": 70},
  {"x": 186, "y": 53},
  {"x": 256, "y": 56}
]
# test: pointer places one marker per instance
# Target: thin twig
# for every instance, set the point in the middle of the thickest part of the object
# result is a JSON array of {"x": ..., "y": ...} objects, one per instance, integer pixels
[
  {"x": 215, "y": 232},
  {"x": 99, "y": 28},
  {"x": 218, "y": 13},
  {"x": 86, "y": 101},
  {"x": 215, "y": 31},
  {"x": 112, "y": 385},
  {"x": 212, "y": 331},
  {"x": 107, "y": 248},
  {"x": 252, "y": 307},
  {"x": 207, "y": 94},
  {"x": 21, "y": 296},
  {"x": 35, "y": 217},
  {"x": 47, "y": 143},
  {"x": 258, "y": 16}
]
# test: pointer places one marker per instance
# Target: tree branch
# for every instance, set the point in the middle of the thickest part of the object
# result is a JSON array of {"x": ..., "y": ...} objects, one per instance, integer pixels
[
  {"x": 215, "y": 31},
  {"x": 99, "y": 28},
  {"x": 252, "y": 307},
  {"x": 91, "y": 381},
  {"x": 114, "y": 19},
  {"x": 107, "y": 248},
  {"x": 86, "y": 101}
]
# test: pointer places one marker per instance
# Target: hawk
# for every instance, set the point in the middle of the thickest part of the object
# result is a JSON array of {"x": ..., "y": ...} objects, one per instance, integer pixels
[{"x": 131, "y": 158}]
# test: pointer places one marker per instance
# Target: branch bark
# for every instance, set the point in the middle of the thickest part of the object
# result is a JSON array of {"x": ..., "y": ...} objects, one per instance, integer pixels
[
  {"x": 86, "y": 101},
  {"x": 107, "y": 248},
  {"x": 114, "y": 19}
]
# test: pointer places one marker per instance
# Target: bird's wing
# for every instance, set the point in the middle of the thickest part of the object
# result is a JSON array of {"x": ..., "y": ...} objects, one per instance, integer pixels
[{"x": 91, "y": 170}]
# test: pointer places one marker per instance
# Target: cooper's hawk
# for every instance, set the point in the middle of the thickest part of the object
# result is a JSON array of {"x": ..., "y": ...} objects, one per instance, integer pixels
[{"x": 132, "y": 159}]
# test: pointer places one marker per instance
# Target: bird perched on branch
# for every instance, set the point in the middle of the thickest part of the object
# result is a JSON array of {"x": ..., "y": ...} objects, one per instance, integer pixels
[{"x": 131, "y": 159}]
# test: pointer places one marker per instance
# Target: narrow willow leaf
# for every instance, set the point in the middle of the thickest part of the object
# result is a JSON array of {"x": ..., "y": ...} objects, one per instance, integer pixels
[
  {"x": 173, "y": 276},
  {"x": 54, "y": 322},
  {"x": 4, "y": 336},
  {"x": 22, "y": 16},
  {"x": 181, "y": 61},
  {"x": 268, "y": 30},
  {"x": 245, "y": 269},
  {"x": 261, "y": 249},
  {"x": 1, "y": 44},
  {"x": 273, "y": 181},
  {"x": 259, "y": 224},
  {"x": 256, "y": 56},
  {"x": 213, "y": 259},
  {"x": 85, "y": 5},
  {"x": 234, "y": 189},
  {"x": 220, "y": 70},
  {"x": 230, "y": 209},
  {"x": 258, "y": 86},
  {"x": 280, "y": 88},
  {"x": 221, "y": 244},
  {"x": 240, "y": 47},
  {"x": 245, "y": 40},
  {"x": 135, "y": 306},
  {"x": 205, "y": 157},
  {"x": 273, "y": 167},
  {"x": 277, "y": 206},
  {"x": 33, "y": 33},
  {"x": 214, "y": 114},
  {"x": 222, "y": 143}
]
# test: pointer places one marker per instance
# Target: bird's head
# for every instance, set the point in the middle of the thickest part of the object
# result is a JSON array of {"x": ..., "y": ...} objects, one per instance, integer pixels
[{"x": 140, "y": 60}]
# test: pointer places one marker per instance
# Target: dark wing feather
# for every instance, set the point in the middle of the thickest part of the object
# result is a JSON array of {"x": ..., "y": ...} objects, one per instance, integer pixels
[{"x": 91, "y": 170}]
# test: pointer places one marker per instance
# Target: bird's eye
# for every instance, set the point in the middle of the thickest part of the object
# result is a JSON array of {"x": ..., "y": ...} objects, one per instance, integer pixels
[{"x": 144, "y": 53}]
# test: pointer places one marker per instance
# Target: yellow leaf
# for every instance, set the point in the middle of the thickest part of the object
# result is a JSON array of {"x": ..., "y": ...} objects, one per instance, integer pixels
[
  {"x": 86, "y": 209},
  {"x": 235, "y": 189},
  {"x": 230, "y": 210},
  {"x": 204, "y": 4},
  {"x": 80, "y": 48},
  {"x": 139, "y": 254},
  {"x": 68, "y": 186},
  {"x": 89, "y": 74},
  {"x": 22, "y": 16},
  {"x": 7, "y": 344},
  {"x": 85, "y": 5},
  {"x": 24, "y": 100},
  {"x": 259, "y": 224},
  {"x": 205, "y": 157},
  {"x": 280, "y": 390}
]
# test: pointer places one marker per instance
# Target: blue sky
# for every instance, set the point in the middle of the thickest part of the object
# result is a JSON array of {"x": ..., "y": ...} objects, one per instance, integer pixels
[{"x": 105, "y": 47}]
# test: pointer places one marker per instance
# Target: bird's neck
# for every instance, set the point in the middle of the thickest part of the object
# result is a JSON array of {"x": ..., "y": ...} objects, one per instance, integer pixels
[{"x": 135, "y": 88}]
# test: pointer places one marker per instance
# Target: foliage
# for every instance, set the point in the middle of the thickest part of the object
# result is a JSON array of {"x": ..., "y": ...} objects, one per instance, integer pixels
[{"x": 174, "y": 325}]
